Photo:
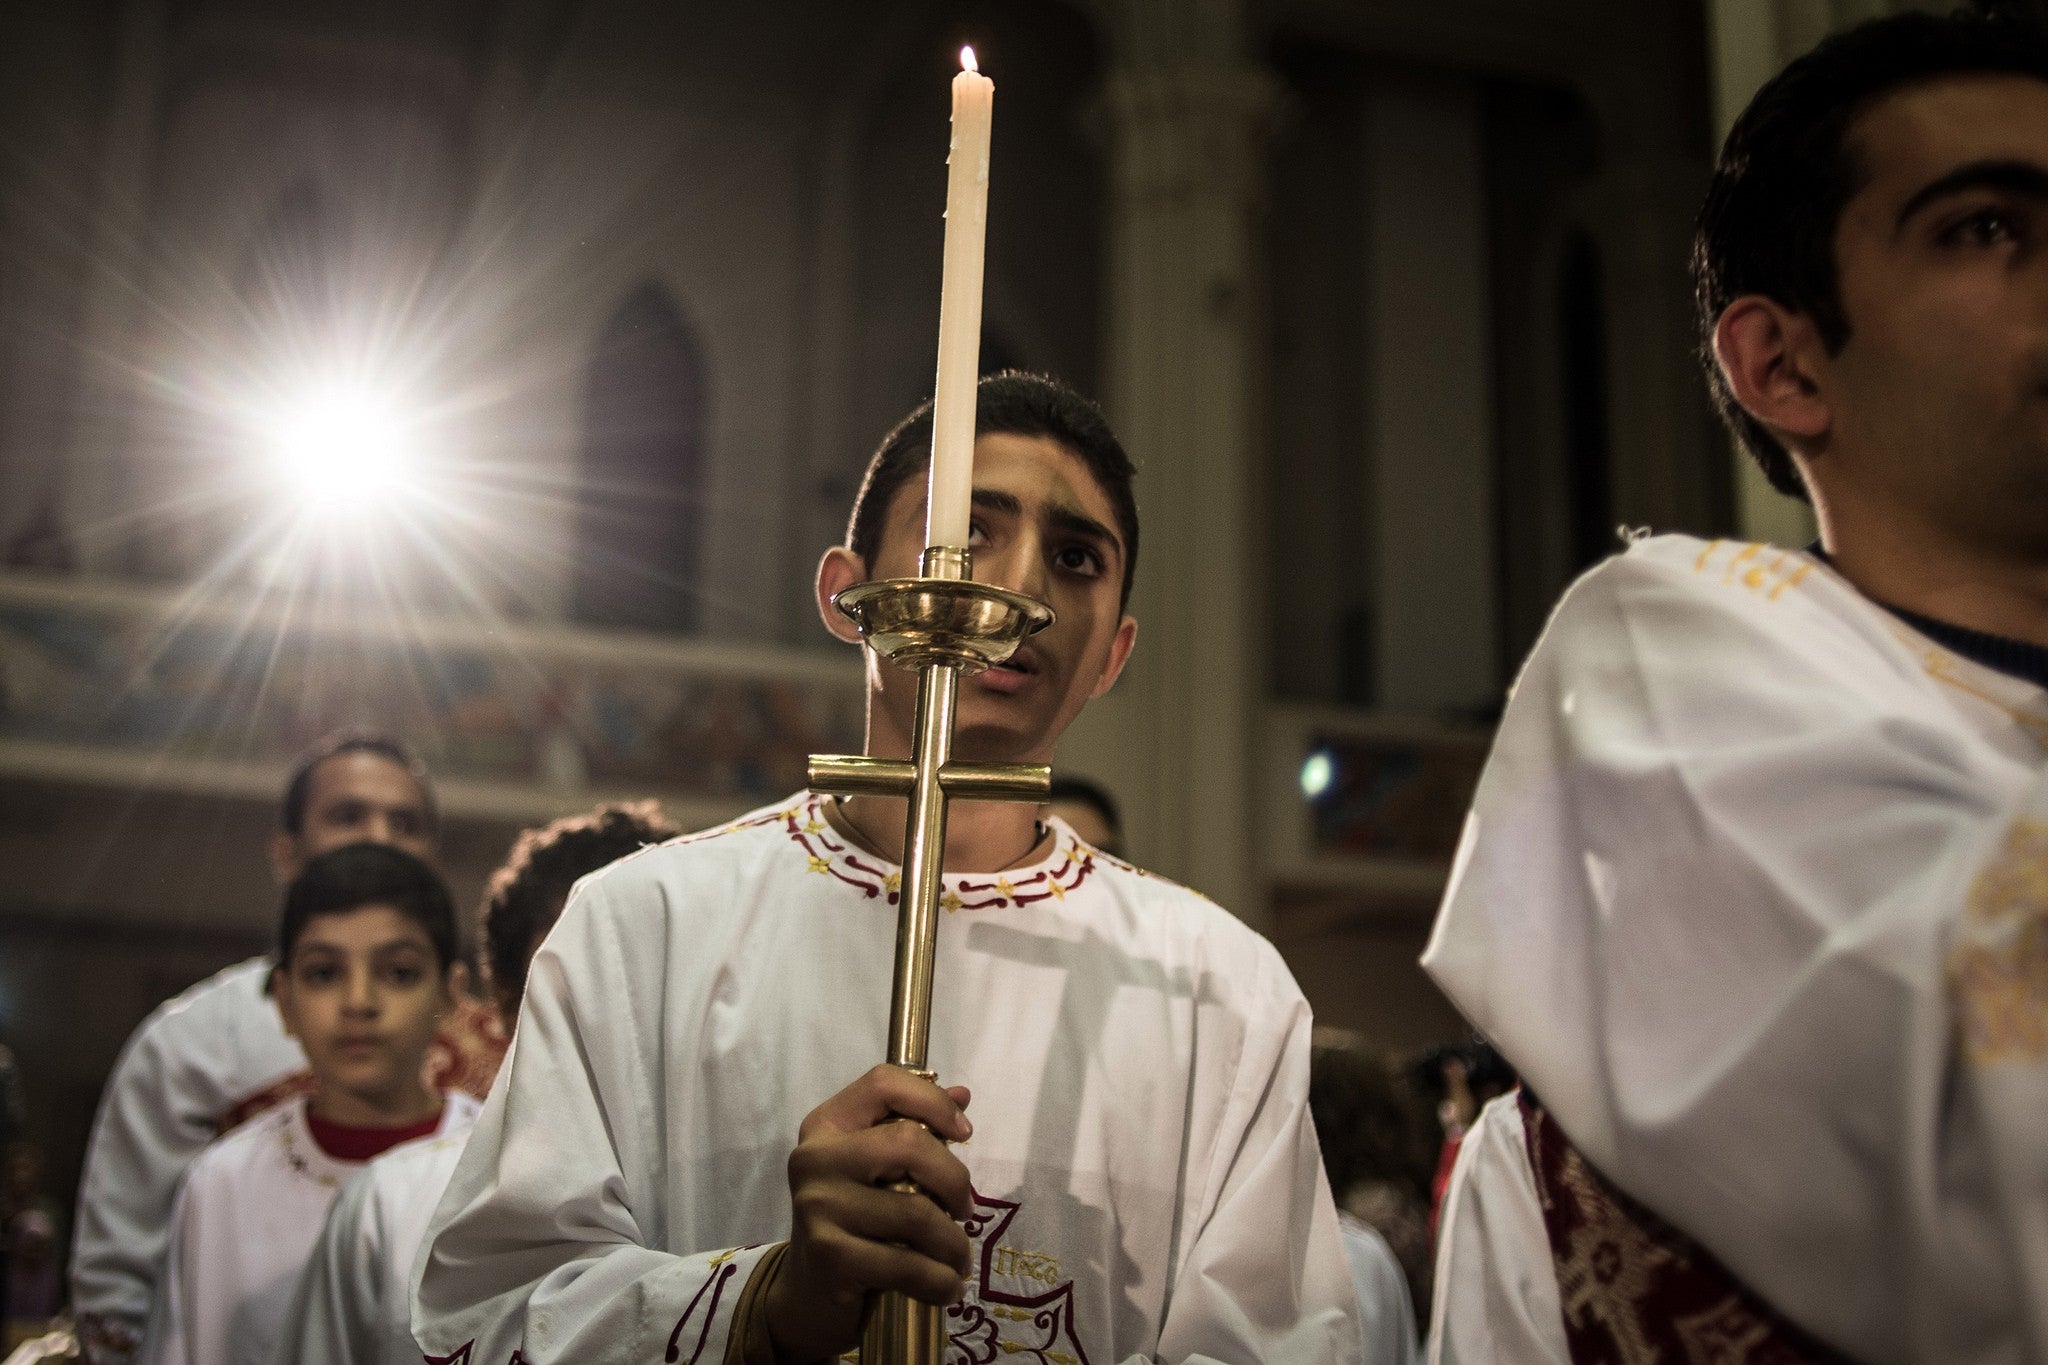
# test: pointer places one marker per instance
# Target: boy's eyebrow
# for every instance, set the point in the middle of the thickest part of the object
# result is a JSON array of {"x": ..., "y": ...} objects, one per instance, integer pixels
[
  {"x": 1069, "y": 519},
  {"x": 2015, "y": 177},
  {"x": 997, "y": 501},
  {"x": 1079, "y": 523}
]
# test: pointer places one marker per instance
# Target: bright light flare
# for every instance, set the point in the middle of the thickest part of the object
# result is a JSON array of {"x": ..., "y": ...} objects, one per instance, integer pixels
[
  {"x": 344, "y": 450},
  {"x": 1318, "y": 772},
  {"x": 967, "y": 62}
]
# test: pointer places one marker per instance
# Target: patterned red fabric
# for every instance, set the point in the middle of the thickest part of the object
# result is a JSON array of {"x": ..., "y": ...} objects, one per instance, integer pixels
[
  {"x": 1637, "y": 1291},
  {"x": 468, "y": 1049}
]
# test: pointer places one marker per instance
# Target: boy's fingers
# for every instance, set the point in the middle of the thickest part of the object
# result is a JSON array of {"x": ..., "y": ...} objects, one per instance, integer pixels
[{"x": 889, "y": 1092}]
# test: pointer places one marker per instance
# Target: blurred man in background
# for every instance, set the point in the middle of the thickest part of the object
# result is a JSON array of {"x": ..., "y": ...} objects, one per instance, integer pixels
[{"x": 217, "y": 1054}]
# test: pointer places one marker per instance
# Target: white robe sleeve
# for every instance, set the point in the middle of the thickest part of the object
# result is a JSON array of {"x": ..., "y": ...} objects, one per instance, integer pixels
[
  {"x": 180, "y": 1071},
  {"x": 1496, "y": 1300},
  {"x": 548, "y": 1239},
  {"x": 1266, "y": 1278},
  {"x": 141, "y": 1143},
  {"x": 337, "y": 1313},
  {"x": 1710, "y": 902}
]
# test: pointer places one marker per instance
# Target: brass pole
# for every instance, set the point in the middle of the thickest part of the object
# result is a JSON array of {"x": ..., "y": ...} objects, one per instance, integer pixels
[
  {"x": 924, "y": 855},
  {"x": 940, "y": 624},
  {"x": 900, "y": 1330}
]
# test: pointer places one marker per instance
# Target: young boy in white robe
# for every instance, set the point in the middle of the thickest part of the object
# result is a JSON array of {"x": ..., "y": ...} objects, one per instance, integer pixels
[
  {"x": 682, "y": 1156},
  {"x": 218, "y": 1054},
  {"x": 352, "y": 1305},
  {"x": 1752, "y": 893},
  {"x": 366, "y": 968}
]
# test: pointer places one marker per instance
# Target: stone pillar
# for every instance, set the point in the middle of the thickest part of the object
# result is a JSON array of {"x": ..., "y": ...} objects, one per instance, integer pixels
[
  {"x": 1185, "y": 333},
  {"x": 1429, "y": 361}
]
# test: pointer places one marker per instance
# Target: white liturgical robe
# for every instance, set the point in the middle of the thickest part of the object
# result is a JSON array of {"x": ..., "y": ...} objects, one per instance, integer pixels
[
  {"x": 1147, "y": 1180},
  {"x": 246, "y": 1219},
  {"x": 1387, "y": 1315},
  {"x": 1496, "y": 1300},
  {"x": 1754, "y": 894},
  {"x": 353, "y": 1302},
  {"x": 183, "y": 1075}
]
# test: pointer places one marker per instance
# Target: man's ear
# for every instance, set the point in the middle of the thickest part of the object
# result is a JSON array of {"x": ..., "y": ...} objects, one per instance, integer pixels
[
  {"x": 284, "y": 857},
  {"x": 839, "y": 570},
  {"x": 1771, "y": 358},
  {"x": 1119, "y": 655}
]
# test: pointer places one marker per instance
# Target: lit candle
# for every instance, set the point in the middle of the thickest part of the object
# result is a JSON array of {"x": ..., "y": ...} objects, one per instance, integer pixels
[{"x": 952, "y": 473}]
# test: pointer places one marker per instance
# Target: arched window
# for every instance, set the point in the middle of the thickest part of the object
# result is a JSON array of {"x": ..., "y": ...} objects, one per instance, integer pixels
[{"x": 640, "y": 504}]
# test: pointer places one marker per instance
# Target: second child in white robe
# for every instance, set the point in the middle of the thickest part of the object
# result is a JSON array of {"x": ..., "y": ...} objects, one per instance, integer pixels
[{"x": 1147, "y": 1182}]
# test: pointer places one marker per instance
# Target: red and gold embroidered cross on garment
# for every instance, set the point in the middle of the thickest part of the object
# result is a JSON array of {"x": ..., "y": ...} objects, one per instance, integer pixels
[{"x": 1634, "y": 1289}]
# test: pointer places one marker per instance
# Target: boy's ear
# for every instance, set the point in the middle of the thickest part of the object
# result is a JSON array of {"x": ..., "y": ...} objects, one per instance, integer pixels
[
  {"x": 281, "y": 994},
  {"x": 838, "y": 570},
  {"x": 1119, "y": 655}
]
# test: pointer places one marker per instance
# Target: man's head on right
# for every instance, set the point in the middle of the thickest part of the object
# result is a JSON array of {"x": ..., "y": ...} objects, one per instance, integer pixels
[
  {"x": 1869, "y": 274},
  {"x": 353, "y": 788}
]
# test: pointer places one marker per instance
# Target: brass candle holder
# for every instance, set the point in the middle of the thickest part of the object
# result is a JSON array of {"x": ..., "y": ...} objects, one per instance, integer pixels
[{"x": 941, "y": 625}]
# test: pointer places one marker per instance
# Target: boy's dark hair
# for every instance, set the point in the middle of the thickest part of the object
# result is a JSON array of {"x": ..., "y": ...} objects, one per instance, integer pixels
[
  {"x": 526, "y": 894},
  {"x": 1011, "y": 403},
  {"x": 1088, "y": 794},
  {"x": 1789, "y": 166},
  {"x": 298, "y": 790},
  {"x": 355, "y": 875},
  {"x": 1361, "y": 1123}
]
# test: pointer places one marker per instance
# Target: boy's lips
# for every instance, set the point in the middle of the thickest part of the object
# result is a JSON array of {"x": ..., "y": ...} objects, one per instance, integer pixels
[{"x": 1014, "y": 676}]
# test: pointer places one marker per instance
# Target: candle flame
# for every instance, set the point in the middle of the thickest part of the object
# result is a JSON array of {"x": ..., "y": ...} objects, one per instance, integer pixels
[{"x": 967, "y": 62}]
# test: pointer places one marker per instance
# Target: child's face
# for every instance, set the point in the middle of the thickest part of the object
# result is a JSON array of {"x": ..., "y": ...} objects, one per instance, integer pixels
[{"x": 363, "y": 995}]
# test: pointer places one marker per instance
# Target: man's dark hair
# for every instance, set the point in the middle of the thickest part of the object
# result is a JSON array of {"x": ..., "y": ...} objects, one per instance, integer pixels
[
  {"x": 526, "y": 895},
  {"x": 1789, "y": 166},
  {"x": 298, "y": 790},
  {"x": 1012, "y": 403},
  {"x": 357, "y": 875}
]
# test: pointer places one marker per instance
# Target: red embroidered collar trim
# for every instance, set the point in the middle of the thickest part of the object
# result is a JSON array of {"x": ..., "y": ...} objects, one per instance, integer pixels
[
  {"x": 347, "y": 1142},
  {"x": 1057, "y": 876}
]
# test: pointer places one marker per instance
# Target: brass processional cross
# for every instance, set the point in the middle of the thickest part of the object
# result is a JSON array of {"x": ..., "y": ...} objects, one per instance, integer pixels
[{"x": 940, "y": 625}]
